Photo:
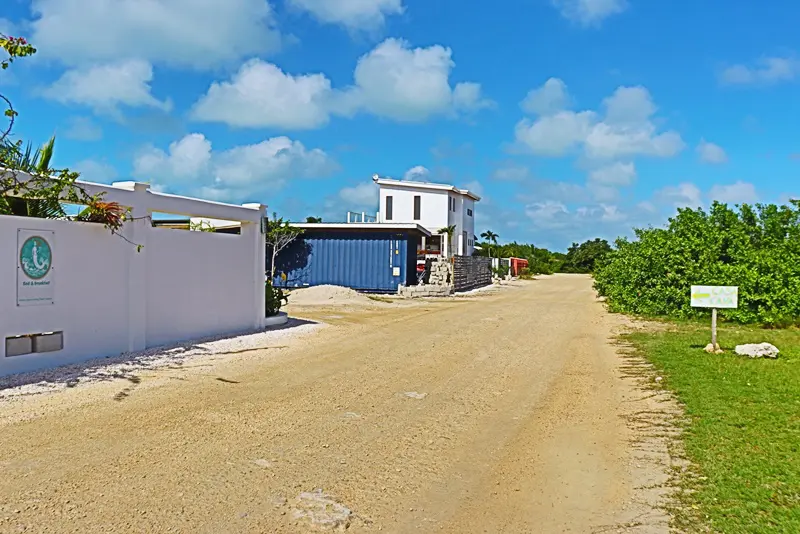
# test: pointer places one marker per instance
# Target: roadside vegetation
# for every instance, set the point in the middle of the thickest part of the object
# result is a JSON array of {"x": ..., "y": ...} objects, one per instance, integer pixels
[
  {"x": 754, "y": 247},
  {"x": 742, "y": 430},
  {"x": 580, "y": 258}
]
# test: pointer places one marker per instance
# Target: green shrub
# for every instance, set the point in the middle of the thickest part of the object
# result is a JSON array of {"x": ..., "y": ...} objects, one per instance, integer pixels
[
  {"x": 754, "y": 247},
  {"x": 501, "y": 271},
  {"x": 274, "y": 299}
]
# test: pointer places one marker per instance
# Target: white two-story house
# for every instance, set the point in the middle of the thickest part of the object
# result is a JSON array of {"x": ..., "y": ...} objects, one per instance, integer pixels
[{"x": 434, "y": 207}]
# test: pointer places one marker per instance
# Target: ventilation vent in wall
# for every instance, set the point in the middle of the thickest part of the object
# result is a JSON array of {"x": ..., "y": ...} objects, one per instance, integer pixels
[{"x": 34, "y": 343}]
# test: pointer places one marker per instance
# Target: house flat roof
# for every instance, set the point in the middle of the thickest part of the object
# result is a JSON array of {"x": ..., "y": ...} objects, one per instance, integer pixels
[
  {"x": 363, "y": 226},
  {"x": 425, "y": 185}
]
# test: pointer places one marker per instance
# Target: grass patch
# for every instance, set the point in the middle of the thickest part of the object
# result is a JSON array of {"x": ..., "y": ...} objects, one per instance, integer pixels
[{"x": 743, "y": 429}]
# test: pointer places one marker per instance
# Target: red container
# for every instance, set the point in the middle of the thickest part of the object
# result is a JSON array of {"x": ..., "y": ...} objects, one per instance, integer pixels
[{"x": 517, "y": 264}]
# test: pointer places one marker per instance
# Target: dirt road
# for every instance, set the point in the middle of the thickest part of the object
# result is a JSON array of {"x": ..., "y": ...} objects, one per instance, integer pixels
[{"x": 515, "y": 424}]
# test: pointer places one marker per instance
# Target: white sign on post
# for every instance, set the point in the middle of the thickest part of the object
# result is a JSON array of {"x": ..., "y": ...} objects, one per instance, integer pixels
[
  {"x": 35, "y": 285},
  {"x": 715, "y": 297}
]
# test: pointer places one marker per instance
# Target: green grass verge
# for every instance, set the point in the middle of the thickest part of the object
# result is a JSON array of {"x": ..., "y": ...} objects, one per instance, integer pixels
[{"x": 743, "y": 426}]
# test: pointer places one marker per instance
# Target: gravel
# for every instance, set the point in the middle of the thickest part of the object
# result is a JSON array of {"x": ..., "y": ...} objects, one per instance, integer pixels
[{"x": 170, "y": 356}]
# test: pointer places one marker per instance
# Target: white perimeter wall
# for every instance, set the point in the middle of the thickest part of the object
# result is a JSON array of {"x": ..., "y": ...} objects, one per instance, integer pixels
[{"x": 109, "y": 298}]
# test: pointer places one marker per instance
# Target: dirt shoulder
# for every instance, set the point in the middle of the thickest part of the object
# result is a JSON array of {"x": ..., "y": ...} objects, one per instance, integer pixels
[{"x": 508, "y": 412}]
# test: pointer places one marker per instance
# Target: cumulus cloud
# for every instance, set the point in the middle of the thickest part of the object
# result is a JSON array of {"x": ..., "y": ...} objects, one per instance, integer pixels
[
  {"x": 233, "y": 174},
  {"x": 736, "y": 193},
  {"x": 624, "y": 130},
  {"x": 105, "y": 87},
  {"x": 262, "y": 95},
  {"x": 711, "y": 153},
  {"x": 184, "y": 33},
  {"x": 360, "y": 196},
  {"x": 619, "y": 174},
  {"x": 548, "y": 99},
  {"x": 589, "y": 12},
  {"x": 352, "y": 14},
  {"x": 680, "y": 196},
  {"x": 393, "y": 81},
  {"x": 766, "y": 71},
  {"x": 417, "y": 174}
]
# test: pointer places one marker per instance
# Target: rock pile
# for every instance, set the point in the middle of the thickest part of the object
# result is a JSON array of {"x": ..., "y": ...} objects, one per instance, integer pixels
[{"x": 441, "y": 273}]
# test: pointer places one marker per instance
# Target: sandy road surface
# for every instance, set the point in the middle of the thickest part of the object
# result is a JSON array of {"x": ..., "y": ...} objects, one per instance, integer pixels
[{"x": 519, "y": 430}]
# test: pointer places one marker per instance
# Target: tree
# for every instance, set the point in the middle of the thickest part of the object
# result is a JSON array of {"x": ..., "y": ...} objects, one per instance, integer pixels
[
  {"x": 280, "y": 235},
  {"x": 491, "y": 238},
  {"x": 29, "y": 186},
  {"x": 448, "y": 231},
  {"x": 584, "y": 258},
  {"x": 313, "y": 220}
]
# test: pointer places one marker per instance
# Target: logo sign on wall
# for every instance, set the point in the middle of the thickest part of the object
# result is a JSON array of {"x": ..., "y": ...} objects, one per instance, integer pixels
[{"x": 35, "y": 285}]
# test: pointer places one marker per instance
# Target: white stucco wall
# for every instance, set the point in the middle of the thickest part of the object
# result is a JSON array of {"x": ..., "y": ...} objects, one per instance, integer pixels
[{"x": 108, "y": 298}]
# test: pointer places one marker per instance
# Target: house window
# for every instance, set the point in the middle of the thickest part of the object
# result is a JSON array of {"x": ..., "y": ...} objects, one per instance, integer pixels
[
  {"x": 389, "y": 201},
  {"x": 417, "y": 208},
  {"x": 469, "y": 212}
]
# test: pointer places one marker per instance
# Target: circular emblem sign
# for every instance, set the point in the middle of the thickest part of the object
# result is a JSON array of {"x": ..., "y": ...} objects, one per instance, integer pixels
[{"x": 35, "y": 257}]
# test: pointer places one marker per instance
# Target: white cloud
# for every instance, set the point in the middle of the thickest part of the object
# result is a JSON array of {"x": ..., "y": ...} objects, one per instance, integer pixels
[
  {"x": 360, "y": 196},
  {"x": 711, "y": 153},
  {"x": 626, "y": 130},
  {"x": 590, "y": 12},
  {"x": 680, "y": 196},
  {"x": 83, "y": 129},
  {"x": 417, "y": 174},
  {"x": 549, "y": 99},
  {"x": 766, "y": 71},
  {"x": 616, "y": 174},
  {"x": 737, "y": 193},
  {"x": 353, "y": 14},
  {"x": 185, "y": 33},
  {"x": 105, "y": 87},
  {"x": 555, "y": 135},
  {"x": 243, "y": 171},
  {"x": 392, "y": 81},
  {"x": 95, "y": 171},
  {"x": 411, "y": 84},
  {"x": 262, "y": 95}
]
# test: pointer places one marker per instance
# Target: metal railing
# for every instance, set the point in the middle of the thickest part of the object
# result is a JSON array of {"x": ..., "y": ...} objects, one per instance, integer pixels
[{"x": 362, "y": 217}]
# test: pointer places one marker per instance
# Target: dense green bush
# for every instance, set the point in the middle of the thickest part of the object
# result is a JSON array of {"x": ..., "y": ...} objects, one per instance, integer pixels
[
  {"x": 583, "y": 258},
  {"x": 754, "y": 247}
]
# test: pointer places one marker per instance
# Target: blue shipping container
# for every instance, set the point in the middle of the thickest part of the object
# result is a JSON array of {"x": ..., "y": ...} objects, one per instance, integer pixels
[{"x": 366, "y": 260}]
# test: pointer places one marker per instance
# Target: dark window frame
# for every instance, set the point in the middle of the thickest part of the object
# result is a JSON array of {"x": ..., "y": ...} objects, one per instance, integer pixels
[
  {"x": 417, "y": 207},
  {"x": 389, "y": 207}
]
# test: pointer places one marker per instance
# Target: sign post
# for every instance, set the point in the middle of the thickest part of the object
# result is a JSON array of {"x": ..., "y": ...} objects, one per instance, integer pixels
[{"x": 715, "y": 297}]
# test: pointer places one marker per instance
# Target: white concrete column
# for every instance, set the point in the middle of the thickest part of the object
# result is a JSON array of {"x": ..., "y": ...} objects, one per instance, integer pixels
[
  {"x": 136, "y": 231},
  {"x": 252, "y": 233}
]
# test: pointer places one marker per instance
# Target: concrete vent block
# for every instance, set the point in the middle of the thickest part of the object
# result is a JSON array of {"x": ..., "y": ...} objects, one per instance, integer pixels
[
  {"x": 17, "y": 346},
  {"x": 49, "y": 342}
]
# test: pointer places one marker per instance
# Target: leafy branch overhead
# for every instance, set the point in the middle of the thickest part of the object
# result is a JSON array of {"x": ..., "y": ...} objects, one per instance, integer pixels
[{"x": 29, "y": 185}]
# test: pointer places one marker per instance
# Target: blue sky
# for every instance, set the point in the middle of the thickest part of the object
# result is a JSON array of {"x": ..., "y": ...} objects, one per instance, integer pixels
[{"x": 573, "y": 118}]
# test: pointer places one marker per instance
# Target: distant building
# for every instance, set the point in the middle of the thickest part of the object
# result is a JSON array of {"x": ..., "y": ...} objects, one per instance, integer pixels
[{"x": 434, "y": 207}]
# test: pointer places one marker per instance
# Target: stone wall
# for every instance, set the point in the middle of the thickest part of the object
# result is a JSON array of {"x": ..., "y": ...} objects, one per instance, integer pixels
[{"x": 439, "y": 278}]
